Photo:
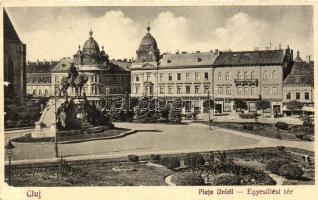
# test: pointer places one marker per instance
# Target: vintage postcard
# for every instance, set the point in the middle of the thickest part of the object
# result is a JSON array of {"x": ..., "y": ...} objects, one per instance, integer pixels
[{"x": 137, "y": 100}]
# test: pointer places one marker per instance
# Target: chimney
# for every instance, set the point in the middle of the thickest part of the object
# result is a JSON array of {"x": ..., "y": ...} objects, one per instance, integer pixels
[
  {"x": 216, "y": 51},
  {"x": 183, "y": 52},
  {"x": 308, "y": 59},
  {"x": 211, "y": 51},
  {"x": 279, "y": 46},
  {"x": 198, "y": 51},
  {"x": 177, "y": 51}
]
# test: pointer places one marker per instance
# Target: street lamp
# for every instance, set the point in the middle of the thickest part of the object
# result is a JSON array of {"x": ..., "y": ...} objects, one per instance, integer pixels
[{"x": 9, "y": 148}]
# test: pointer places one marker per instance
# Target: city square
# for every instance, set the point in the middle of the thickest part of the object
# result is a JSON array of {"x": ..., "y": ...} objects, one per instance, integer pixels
[{"x": 210, "y": 117}]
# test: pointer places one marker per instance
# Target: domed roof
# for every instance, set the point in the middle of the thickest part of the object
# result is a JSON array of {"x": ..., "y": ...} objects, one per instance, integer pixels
[
  {"x": 90, "y": 46},
  {"x": 148, "y": 42}
]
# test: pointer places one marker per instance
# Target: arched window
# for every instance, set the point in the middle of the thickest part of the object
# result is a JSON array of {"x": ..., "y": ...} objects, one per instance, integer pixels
[
  {"x": 245, "y": 75},
  {"x": 274, "y": 74},
  {"x": 252, "y": 75},
  {"x": 239, "y": 75},
  {"x": 266, "y": 75},
  {"x": 228, "y": 76},
  {"x": 220, "y": 77}
]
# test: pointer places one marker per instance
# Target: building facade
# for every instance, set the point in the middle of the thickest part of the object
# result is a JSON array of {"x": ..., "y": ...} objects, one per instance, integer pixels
[
  {"x": 106, "y": 77},
  {"x": 222, "y": 76},
  {"x": 299, "y": 85},
  {"x": 39, "y": 78},
  {"x": 250, "y": 76},
  {"x": 14, "y": 60}
]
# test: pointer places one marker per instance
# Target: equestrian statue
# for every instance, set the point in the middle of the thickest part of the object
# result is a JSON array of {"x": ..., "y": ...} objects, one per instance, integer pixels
[{"x": 74, "y": 79}]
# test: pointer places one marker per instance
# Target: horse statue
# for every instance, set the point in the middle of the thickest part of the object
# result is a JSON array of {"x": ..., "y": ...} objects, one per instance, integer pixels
[{"x": 78, "y": 82}]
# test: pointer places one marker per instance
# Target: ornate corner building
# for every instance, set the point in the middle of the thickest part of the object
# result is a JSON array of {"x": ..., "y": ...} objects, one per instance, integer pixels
[{"x": 106, "y": 77}]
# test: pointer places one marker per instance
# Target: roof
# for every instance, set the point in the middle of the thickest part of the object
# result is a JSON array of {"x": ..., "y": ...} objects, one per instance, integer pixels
[
  {"x": 123, "y": 65},
  {"x": 188, "y": 59},
  {"x": 40, "y": 67},
  {"x": 62, "y": 65},
  {"x": 8, "y": 29},
  {"x": 31, "y": 79},
  {"x": 259, "y": 57},
  {"x": 302, "y": 73}
]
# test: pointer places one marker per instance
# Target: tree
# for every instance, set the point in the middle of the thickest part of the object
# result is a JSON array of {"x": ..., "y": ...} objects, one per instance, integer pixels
[
  {"x": 175, "y": 114},
  {"x": 146, "y": 111},
  {"x": 240, "y": 104},
  {"x": 263, "y": 105},
  {"x": 294, "y": 106}
]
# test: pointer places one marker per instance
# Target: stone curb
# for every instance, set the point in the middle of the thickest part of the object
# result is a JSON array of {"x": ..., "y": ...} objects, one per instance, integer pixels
[{"x": 100, "y": 138}]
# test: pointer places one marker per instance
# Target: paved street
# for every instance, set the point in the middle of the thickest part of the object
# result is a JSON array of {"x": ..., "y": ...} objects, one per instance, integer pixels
[{"x": 154, "y": 138}]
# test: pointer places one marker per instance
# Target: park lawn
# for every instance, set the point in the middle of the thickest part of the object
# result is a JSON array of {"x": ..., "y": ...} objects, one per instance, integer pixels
[
  {"x": 91, "y": 175},
  {"x": 108, "y": 133}
]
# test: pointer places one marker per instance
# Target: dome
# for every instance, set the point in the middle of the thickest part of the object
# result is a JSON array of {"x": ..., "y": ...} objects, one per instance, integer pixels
[
  {"x": 90, "y": 46},
  {"x": 148, "y": 48}
]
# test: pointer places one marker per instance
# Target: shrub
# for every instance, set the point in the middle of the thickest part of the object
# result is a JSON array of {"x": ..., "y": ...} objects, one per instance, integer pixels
[
  {"x": 133, "y": 158},
  {"x": 282, "y": 125},
  {"x": 188, "y": 178},
  {"x": 226, "y": 179},
  {"x": 170, "y": 162},
  {"x": 155, "y": 157},
  {"x": 275, "y": 164},
  {"x": 194, "y": 160},
  {"x": 281, "y": 148},
  {"x": 290, "y": 171},
  {"x": 278, "y": 136},
  {"x": 308, "y": 137}
]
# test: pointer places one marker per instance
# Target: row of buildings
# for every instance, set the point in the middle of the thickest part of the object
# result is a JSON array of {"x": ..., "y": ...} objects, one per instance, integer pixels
[{"x": 274, "y": 75}]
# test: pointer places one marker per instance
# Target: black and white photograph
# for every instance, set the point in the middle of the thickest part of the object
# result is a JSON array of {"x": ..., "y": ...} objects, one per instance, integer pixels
[{"x": 159, "y": 96}]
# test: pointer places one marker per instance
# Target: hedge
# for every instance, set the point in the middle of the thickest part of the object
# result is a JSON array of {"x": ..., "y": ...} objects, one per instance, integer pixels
[
  {"x": 133, "y": 158},
  {"x": 188, "y": 179},
  {"x": 194, "y": 160},
  {"x": 291, "y": 171},
  {"x": 170, "y": 162},
  {"x": 282, "y": 125},
  {"x": 225, "y": 179},
  {"x": 274, "y": 165}
]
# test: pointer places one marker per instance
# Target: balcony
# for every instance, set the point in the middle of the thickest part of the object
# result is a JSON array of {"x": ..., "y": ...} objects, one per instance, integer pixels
[{"x": 243, "y": 82}]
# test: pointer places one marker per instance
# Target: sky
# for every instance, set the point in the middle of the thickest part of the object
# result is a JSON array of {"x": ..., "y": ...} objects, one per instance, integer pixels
[{"x": 56, "y": 32}]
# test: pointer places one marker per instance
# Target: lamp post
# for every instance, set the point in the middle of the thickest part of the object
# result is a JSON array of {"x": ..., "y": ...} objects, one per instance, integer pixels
[
  {"x": 55, "y": 141},
  {"x": 9, "y": 148}
]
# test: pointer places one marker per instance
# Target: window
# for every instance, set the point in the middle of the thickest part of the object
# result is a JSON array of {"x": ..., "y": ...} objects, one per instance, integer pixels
[
  {"x": 253, "y": 90},
  {"x": 197, "y": 76},
  {"x": 246, "y": 91},
  {"x": 306, "y": 95},
  {"x": 161, "y": 89},
  {"x": 239, "y": 91},
  {"x": 148, "y": 77},
  {"x": 228, "y": 91},
  {"x": 92, "y": 78},
  {"x": 220, "y": 90},
  {"x": 169, "y": 89},
  {"x": 246, "y": 75},
  {"x": 187, "y": 76},
  {"x": 199, "y": 59},
  {"x": 220, "y": 77},
  {"x": 170, "y": 77},
  {"x": 288, "y": 95},
  {"x": 297, "y": 95},
  {"x": 137, "y": 78},
  {"x": 168, "y": 61},
  {"x": 161, "y": 77},
  {"x": 265, "y": 90},
  {"x": 252, "y": 75},
  {"x": 178, "y": 89},
  {"x": 206, "y": 89},
  {"x": 274, "y": 90},
  {"x": 206, "y": 76},
  {"x": 96, "y": 78},
  {"x": 28, "y": 91},
  {"x": 239, "y": 75},
  {"x": 228, "y": 76},
  {"x": 188, "y": 89},
  {"x": 273, "y": 74},
  {"x": 56, "y": 79},
  {"x": 40, "y": 91},
  {"x": 34, "y": 91},
  {"x": 179, "y": 76},
  {"x": 196, "y": 89},
  {"x": 137, "y": 89},
  {"x": 92, "y": 90}
]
